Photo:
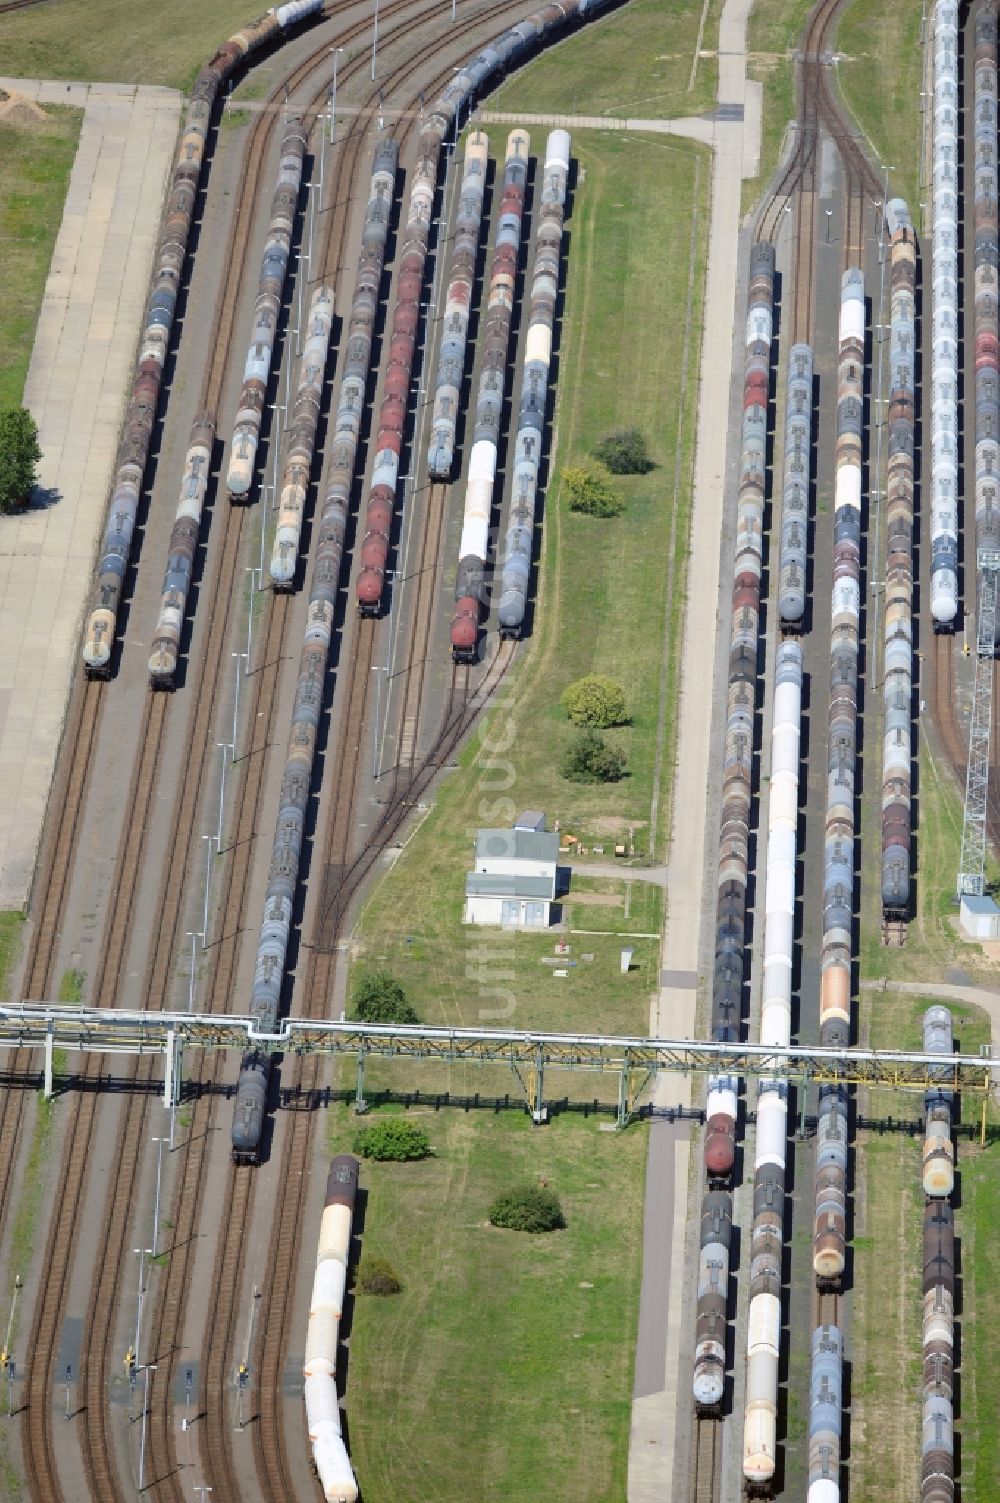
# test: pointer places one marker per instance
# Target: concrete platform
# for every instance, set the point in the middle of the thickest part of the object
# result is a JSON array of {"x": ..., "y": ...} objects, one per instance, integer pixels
[{"x": 80, "y": 372}]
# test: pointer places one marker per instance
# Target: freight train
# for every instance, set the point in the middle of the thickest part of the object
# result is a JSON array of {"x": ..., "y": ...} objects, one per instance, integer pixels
[
  {"x": 457, "y": 306},
  {"x": 511, "y": 46},
  {"x": 300, "y": 440},
  {"x": 897, "y": 676},
  {"x": 326, "y": 1307},
  {"x": 734, "y": 834},
  {"x": 534, "y": 385},
  {"x": 272, "y": 948},
  {"x": 944, "y": 320},
  {"x": 164, "y": 657},
  {"x": 507, "y": 50},
  {"x": 760, "y": 1425},
  {"x": 937, "y": 1462},
  {"x": 829, "y": 1236},
  {"x": 175, "y": 231},
  {"x": 474, "y": 545},
  {"x": 795, "y": 484},
  {"x": 267, "y": 310},
  {"x": 987, "y": 267}
]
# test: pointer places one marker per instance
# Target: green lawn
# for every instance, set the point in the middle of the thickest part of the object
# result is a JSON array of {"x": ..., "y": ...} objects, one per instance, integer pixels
[
  {"x": 114, "y": 41},
  {"x": 881, "y": 75},
  {"x": 11, "y": 932},
  {"x": 504, "y": 1368},
  {"x": 35, "y": 164},
  {"x": 665, "y": 76}
]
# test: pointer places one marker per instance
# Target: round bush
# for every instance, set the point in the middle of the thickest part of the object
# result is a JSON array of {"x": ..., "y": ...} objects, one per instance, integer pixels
[
  {"x": 624, "y": 452},
  {"x": 379, "y": 998},
  {"x": 377, "y": 1276},
  {"x": 589, "y": 759},
  {"x": 528, "y": 1208},
  {"x": 392, "y": 1140},
  {"x": 596, "y": 700},
  {"x": 590, "y": 488}
]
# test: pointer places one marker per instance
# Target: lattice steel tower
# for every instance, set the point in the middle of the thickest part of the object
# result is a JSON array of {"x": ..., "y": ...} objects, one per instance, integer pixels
[{"x": 971, "y": 872}]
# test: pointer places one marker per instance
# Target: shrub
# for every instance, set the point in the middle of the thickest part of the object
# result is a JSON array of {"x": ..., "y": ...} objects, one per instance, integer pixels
[
  {"x": 19, "y": 454},
  {"x": 393, "y": 1140},
  {"x": 624, "y": 452},
  {"x": 595, "y": 700},
  {"x": 379, "y": 998},
  {"x": 589, "y": 759},
  {"x": 589, "y": 488},
  {"x": 528, "y": 1208},
  {"x": 377, "y": 1276}
]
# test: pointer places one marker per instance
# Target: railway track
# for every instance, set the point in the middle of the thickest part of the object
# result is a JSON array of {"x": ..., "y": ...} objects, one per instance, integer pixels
[
  {"x": 706, "y": 1475},
  {"x": 239, "y": 1205},
  {"x": 47, "y": 1322}
]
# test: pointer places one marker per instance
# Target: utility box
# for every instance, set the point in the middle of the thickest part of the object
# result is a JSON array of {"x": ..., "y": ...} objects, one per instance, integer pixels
[{"x": 980, "y": 917}]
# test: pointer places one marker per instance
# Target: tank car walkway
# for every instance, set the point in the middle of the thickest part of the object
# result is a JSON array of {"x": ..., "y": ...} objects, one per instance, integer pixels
[
  {"x": 77, "y": 380},
  {"x": 666, "y": 1281}
]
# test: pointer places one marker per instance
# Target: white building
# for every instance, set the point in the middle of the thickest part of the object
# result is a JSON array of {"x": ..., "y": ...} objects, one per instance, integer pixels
[
  {"x": 514, "y": 883},
  {"x": 980, "y": 917}
]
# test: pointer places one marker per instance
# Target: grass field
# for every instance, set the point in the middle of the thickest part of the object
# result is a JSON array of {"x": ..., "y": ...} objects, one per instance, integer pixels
[
  {"x": 881, "y": 75},
  {"x": 665, "y": 76},
  {"x": 113, "y": 41},
  {"x": 35, "y": 164},
  {"x": 11, "y": 931},
  {"x": 504, "y": 1368}
]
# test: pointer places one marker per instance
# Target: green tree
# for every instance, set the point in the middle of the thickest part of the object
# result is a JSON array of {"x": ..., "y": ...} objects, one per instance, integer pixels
[
  {"x": 377, "y": 1276},
  {"x": 379, "y": 998},
  {"x": 624, "y": 452},
  {"x": 19, "y": 454},
  {"x": 392, "y": 1140},
  {"x": 596, "y": 700},
  {"x": 589, "y": 759},
  {"x": 590, "y": 488},
  {"x": 528, "y": 1208}
]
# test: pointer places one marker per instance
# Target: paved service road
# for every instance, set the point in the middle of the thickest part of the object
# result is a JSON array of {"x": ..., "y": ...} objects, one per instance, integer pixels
[
  {"x": 734, "y": 133},
  {"x": 80, "y": 373}
]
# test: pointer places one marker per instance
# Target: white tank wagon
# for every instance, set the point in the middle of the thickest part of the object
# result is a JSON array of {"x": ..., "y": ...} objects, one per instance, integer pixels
[
  {"x": 180, "y": 554},
  {"x": 267, "y": 309},
  {"x": 171, "y": 254},
  {"x": 709, "y": 1379},
  {"x": 286, "y": 848},
  {"x": 944, "y": 319},
  {"x": 326, "y": 1308},
  {"x": 939, "y": 1104},
  {"x": 897, "y": 676},
  {"x": 795, "y": 483},
  {"x": 301, "y": 439},
  {"x": 534, "y": 385},
  {"x": 474, "y": 545},
  {"x": 829, "y": 1238},
  {"x": 458, "y": 302},
  {"x": 763, "y": 1343},
  {"x": 826, "y": 1403}
]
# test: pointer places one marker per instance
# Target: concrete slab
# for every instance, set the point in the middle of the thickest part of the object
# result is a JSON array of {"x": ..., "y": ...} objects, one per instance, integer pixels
[
  {"x": 733, "y": 133},
  {"x": 76, "y": 388}
]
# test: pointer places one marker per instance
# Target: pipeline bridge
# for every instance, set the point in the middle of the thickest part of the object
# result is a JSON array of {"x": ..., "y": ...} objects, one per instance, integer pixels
[{"x": 635, "y": 1062}]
